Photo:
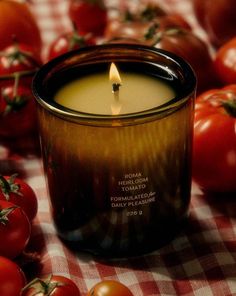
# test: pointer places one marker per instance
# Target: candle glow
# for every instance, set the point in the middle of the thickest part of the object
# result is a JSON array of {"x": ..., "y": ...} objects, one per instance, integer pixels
[{"x": 115, "y": 79}]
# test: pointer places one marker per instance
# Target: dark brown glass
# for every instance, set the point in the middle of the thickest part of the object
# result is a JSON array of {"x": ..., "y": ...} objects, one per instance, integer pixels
[{"x": 119, "y": 185}]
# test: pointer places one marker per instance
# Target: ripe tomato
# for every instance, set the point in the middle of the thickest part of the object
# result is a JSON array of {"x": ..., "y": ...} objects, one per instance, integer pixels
[
  {"x": 188, "y": 46},
  {"x": 12, "y": 278},
  {"x": 17, "y": 21},
  {"x": 225, "y": 62},
  {"x": 17, "y": 111},
  {"x": 67, "y": 42},
  {"x": 109, "y": 288},
  {"x": 136, "y": 24},
  {"x": 210, "y": 16},
  {"x": 53, "y": 285},
  {"x": 18, "y": 57},
  {"x": 88, "y": 16},
  {"x": 20, "y": 193},
  {"x": 14, "y": 229},
  {"x": 214, "y": 147},
  {"x": 172, "y": 38}
]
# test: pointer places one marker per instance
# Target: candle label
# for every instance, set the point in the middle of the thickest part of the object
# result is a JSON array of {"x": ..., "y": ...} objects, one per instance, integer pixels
[{"x": 134, "y": 192}]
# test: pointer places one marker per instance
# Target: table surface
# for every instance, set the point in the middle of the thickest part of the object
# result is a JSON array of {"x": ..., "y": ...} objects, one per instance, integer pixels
[{"x": 199, "y": 261}]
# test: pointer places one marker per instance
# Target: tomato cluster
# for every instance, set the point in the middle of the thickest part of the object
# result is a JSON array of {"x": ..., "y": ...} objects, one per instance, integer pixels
[
  {"x": 18, "y": 207},
  {"x": 20, "y": 45},
  {"x": 214, "y": 149},
  {"x": 214, "y": 145},
  {"x": 13, "y": 282}
]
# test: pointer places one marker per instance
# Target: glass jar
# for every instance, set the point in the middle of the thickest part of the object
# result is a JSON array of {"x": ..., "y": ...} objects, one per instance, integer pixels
[{"x": 119, "y": 185}]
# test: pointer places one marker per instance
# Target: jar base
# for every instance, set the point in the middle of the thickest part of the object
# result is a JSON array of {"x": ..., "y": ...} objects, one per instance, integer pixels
[{"x": 154, "y": 240}]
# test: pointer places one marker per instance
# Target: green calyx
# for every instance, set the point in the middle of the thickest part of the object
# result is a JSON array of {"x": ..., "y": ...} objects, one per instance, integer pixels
[
  {"x": 16, "y": 102},
  {"x": 9, "y": 186},
  {"x": 19, "y": 55},
  {"x": 153, "y": 33},
  {"x": 230, "y": 106},
  {"x": 43, "y": 287},
  {"x": 4, "y": 215}
]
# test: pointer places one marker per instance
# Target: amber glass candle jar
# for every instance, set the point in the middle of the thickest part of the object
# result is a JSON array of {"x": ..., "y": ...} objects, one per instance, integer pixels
[{"x": 119, "y": 184}]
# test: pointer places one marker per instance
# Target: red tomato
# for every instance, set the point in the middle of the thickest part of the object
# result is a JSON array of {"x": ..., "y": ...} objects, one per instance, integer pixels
[
  {"x": 135, "y": 25},
  {"x": 225, "y": 62},
  {"x": 218, "y": 19},
  {"x": 67, "y": 42},
  {"x": 17, "y": 58},
  {"x": 109, "y": 288},
  {"x": 188, "y": 46},
  {"x": 53, "y": 285},
  {"x": 88, "y": 16},
  {"x": 12, "y": 278},
  {"x": 17, "y": 111},
  {"x": 214, "y": 149},
  {"x": 171, "y": 38},
  {"x": 14, "y": 229},
  {"x": 20, "y": 193},
  {"x": 20, "y": 59},
  {"x": 17, "y": 22}
]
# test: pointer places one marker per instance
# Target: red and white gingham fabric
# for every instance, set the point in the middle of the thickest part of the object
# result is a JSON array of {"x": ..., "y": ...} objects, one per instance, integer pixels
[{"x": 200, "y": 261}]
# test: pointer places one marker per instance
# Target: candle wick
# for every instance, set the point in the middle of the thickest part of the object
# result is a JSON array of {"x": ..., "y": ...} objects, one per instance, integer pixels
[{"x": 115, "y": 87}]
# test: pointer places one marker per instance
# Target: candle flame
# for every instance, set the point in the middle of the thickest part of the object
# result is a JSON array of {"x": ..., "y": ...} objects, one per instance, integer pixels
[
  {"x": 115, "y": 79},
  {"x": 114, "y": 75}
]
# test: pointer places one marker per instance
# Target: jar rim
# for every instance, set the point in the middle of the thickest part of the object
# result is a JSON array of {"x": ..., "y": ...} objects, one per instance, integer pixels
[{"x": 94, "y": 54}]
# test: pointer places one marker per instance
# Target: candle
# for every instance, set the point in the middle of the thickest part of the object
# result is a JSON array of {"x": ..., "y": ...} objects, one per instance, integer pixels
[
  {"x": 93, "y": 94},
  {"x": 116, "y": 152}
]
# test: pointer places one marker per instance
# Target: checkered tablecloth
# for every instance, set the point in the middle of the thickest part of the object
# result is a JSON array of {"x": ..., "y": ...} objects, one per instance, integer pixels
[{"x": 199, "y": 261}]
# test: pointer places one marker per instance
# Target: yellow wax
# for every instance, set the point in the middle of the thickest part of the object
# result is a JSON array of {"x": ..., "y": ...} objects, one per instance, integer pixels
[{"x": 93, "y": 94}]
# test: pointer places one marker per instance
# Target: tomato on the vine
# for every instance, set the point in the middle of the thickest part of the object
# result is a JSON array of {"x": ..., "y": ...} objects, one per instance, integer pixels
[
  {"x": 53, "y": 285},
  {"x": 17, "y": 191},
  {"x": 12, "y": 278},
  {"x": 17, "y": 110},
  {"x": 166, "y": 33},
  {"x": 15, "y": 230},
  {"x": 67, "y": 42},
  {"x": 225, "y": 62},
  {"x": 214, "y": 145},
  {"x": 20, "y": 59},
  {"x": 18, "y": 64},
  {"x": 109, "y": 288},
  {"x": 18, "y": 22}
]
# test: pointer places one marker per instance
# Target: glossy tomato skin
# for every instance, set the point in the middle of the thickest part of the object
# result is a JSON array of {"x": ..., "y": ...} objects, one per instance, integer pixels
[
  {"x": 109, "y": 288},
  {"x": 61, "y": 286},
  {"x": 191, "y": 48},
  {"x": 88, "y": 16},
  {"x": 67, "y": 42},
  {"x": 12, "y": 278},
  {"x": 17, "y": 21},
  {"x": 18, "y": 57},
  {"x": 18, "y": 192},
  {"x": 225, "y": 62},
  {"x": 212, "y": 15},
  {"x": 17, "y": 111},
  {"x": 14, "y": 232},
  {"x": 172, "y": 38},
  {"x": 214, "y": 145}
]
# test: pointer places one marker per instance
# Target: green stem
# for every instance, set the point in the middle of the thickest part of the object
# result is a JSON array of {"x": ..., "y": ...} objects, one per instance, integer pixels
[
  {"x": 4, "y": 214},
  {"x": 20, "y": 73},
  {"x": 230, "y": 107}
]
